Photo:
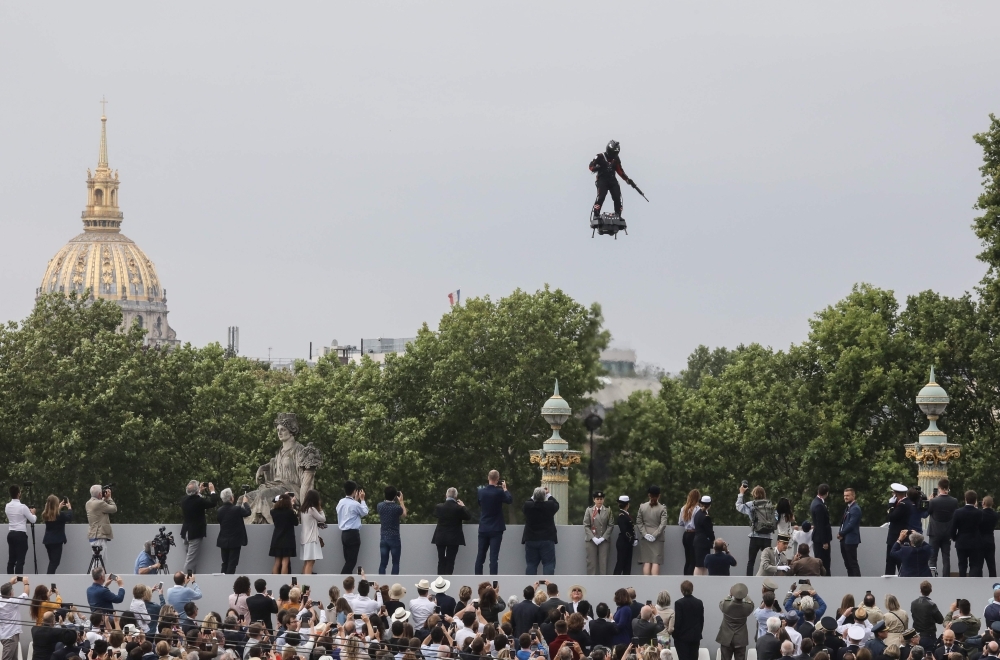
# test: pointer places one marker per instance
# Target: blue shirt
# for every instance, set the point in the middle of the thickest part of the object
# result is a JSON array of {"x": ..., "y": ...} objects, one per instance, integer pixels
[
  {"x": 350, "y": 512},
  {"x": 179, "y": 595},
  {"x": 389, "y": 512},
  {"x": 101, "y": 598},
  {"x": 143, "y": 561}
]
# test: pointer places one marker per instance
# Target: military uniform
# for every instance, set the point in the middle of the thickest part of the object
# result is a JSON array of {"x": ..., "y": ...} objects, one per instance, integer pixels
[
  {"x": 597, "y": 524},
  {"x": 733, "y": 637}
]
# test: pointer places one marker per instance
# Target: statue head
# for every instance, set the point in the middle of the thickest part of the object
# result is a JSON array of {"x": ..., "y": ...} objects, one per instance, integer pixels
[{"x": 288, "y": 423}]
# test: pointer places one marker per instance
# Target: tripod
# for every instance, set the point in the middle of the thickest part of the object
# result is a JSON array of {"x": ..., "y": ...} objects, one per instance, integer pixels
[
  {"x": 97, "y": 560},
  {"x": 34, "y": 549}
]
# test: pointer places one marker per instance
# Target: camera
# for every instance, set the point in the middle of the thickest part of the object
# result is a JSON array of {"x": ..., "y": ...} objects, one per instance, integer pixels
[
  {"x": 745, "y": 483},
  {"x": 107, "y": 487},
  {"x": 246, "y": 488},
  {"x": 161, "y": 545}
]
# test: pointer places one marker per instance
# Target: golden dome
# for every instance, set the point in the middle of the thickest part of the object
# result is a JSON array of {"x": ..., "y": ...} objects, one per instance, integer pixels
[{"x": 107, "y": 263}]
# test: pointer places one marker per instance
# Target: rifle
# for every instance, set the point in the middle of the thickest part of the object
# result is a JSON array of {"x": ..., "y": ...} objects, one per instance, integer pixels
[{"x": 632, "y": 183}]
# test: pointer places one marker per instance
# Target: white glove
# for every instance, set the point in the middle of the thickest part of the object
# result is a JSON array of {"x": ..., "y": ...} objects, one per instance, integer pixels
[
  {"x": 649, "y": 537},
  {"x": 635, "y": 543},
  {"x": 596, "y": 540},
  {"x": 783, "y": 568}
]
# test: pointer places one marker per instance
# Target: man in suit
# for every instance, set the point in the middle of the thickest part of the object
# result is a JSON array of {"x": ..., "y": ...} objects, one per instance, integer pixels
[
  {"x": 965, "y": 533},
  {"x": 948, "y": 645},
  {"x": 987, "y": 543},
  {"x": 553, "y": 601},
  {"x": 261, "y": 606},
  {"x": 768, "y": 644},
  {"x": 195, "y": 527},
  {"x": 941, "y": 511},
  {"x": 597, "y": 528},
  {"x": 443, "y": 600},
  {"x": 773, "y": 561},
  {"x": 850, "y": 534},
  {"x": 539, "y": 536},
  {"x": 232, "y": 529},
  {"x": 526, "y": 614},
  {"x": 689, "y": 621},
  {"x": 822, "y": 531},
  {"x": 733, "y": 636},
  {"x": 449, "y": 534},
  {"x": 900, "y": 511},
  {"x": 647, "y": 625},
  {"x": 492, "y": 497}
]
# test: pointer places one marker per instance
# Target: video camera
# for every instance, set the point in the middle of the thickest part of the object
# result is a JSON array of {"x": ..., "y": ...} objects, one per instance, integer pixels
[{"x": 161, "y": 545}]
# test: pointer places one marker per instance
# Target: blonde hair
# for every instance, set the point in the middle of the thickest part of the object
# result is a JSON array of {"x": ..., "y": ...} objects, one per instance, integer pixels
[
  {"x": 142, "y": 592},
  {"x": 51, "y": 510},
  {"x": 541, "y": 597},
  {"x": 758, "y": 493},
  {"x": 693, "y": 499},
  {"x": 891, "y": 602},
  {"x": 295, "y": 594},
  {"x": 210, "y": 622}
]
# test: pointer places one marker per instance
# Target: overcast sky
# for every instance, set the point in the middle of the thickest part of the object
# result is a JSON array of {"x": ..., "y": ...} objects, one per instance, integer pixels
[{"x": 311, "y": 171}]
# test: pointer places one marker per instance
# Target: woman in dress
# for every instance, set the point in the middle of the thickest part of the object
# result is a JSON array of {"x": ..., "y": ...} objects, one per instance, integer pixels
[
  {"x": 238, "y": 599},
  {"x": 786, "y": 524},
  {"x": 56, "y": 514},
  {"x": 704, "y": 535},
  {"x": 312, "y": 518},
  {"x": 625, "y": 542},
  {"x": 686, "y": 520},
  {"x": 650, "y": 524},
  {"x": 283, "y": 536}
]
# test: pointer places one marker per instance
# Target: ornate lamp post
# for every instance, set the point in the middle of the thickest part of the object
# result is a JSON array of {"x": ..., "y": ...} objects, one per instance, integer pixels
[
  {"x": 555, "y": 456},
  {"x": 933, "y": 451}
]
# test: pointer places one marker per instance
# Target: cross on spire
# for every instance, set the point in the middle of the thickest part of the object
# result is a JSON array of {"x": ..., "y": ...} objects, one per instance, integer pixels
[{"x": 104, "y": 103}]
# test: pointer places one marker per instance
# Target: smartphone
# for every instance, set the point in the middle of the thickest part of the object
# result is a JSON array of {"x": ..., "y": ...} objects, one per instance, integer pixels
[
  {"x": 935, "y": 493},
  {"x": 437, "y": 610},
  {"x": 190, "y": 573},
  {"x": 649, "y": 602},
  {"x": 19, "y": 578},
  {"x": 160, "y": 586},
  {"x": 357, "y": 616},
  {"x": 114, "y": 577},
  {"x": 269, "y": 592},
  {"x": 543, "y": 582},
  {"x": 495, "y": 584},
  {"x": 295, "y": 581},
  {"x": 305, "y": 588},
  {"x": 360, "y": 570},
  {"x": 635, "y": 641},
  {"x": 808, "y": 582},
  {"x": 53, "y": 586}
]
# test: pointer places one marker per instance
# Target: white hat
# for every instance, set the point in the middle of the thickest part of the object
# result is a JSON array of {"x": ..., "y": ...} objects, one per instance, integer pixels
[
  {"x": 898, "y": 488},
  {"x": 130, "y": 629},
  {"x": 623, "y": 498},
  {"x": 440, "y": 585},
  {"x": 326, "y": 657},
  {"x": 706, "y": 499},
  {"x": 423, "y": 584},
  {"x": 856, "y": 633},
  {"x": 400, "y": 615}
]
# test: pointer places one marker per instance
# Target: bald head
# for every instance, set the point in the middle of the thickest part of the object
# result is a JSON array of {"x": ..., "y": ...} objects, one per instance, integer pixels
[
  {"x": 787, "y": 649},
  {"x": 646, "y": 613}
]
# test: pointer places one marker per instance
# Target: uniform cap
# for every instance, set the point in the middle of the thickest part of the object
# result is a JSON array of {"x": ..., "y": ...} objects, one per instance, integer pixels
[
  {"x": 769, "y": 584},
  {"x": 706, "y": 499},
  {"x": 898, "y": 488},
  {"x": 829, "y": 623},
  {"x": 878, "y": 627},
  {"x": 599, "y": 495},
  {"x": 739, "y": 591},
  {"x": 959, "y": 627},
  {"x": 623, "y": 498},
  {"x": 784, "y": 537},
  {"x": 856, "y": 633},
  {"x": 909, "y": 633}
]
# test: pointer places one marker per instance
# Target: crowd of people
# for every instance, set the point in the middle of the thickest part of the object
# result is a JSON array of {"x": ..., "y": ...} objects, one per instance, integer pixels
[
  {"x": 360, "y": 619},
  {"x": 780, "y": 542}
]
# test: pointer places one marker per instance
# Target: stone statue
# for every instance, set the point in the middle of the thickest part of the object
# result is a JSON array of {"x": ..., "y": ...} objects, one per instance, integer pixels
[{"x": 293, "y": 469}]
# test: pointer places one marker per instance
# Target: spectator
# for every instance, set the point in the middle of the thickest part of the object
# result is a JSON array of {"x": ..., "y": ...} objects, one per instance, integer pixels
[
  {"x": 804, "y": 602},
  {"x": 100, "y": 506},
  {"x": 992, "y": 612},
  {"x": 55, "y": 515},
  {"x": 195, "y": 528},
  {"x": 597, "y": 529},
  {"x": 42, "y": 602},
  {"x": 987, "y": 540},
  {"x": 578, "y": 602},
  {"x": 99, "y": 597},
  {"x": 686, "y": 520},
  {"x": 647, "y": 625},
  {"x": 786, "y": 521},
  {"x": 18, "y": 516},
  {"x": 421, "y": 607},
  {"x": 261, "y": 606},
  {"x": 897, "y": 621},
  {"x": 539, "y": 536},
  {"x": 449, "y": 534},
  {"x": 10, "y": 617},
  {"x": 850, "y": 534},
  {"x": 666, "y": 614},
  {"x": 768, "y": 644},
  {"x": 45, "y": 636},
  {"x": 822, "y": 535},
  {"x": 733, "y": 636},
  {"x": 803, "y": 564},
  {"x": 626, "y": 540},
  {"x": 720, "y": 561},
  {"x": 912, "y": 555},
  {"x": 525, "y": 614},
  {"x": 941, "y": 511},
  {"x": 763, "y": 521},
  {"x": 603, "y": 629},
  {"x": 311, "y": 512},
  {"x": 926, "y": 616},
  {"x": 238, "y": 599},
  {"x": 283, "y": 534},
  {"x": 900, "y": 512},
  {"x": 552, "y": 600},
  {"x": 764, "y": 612},
  {"x": 350, "y": 510},
  {"x": 623, "y": 618},
  {"x": 141, "y": 594},
  {"x": 651, "y": 521},
  {"x": 577, "y": 623},
  {"x": 490, "y": 604},
  {"x": 965, "y": 533},
  {"x": 704, "y": 535},
  {"x": 876, "y": 645},
  {"x": 390, "y": 511},
  {"x": 232, "y": 529},
  {"x": 689, "y": 622},
  {"x": 774, "y": 561},
  {"x": 491, "y": 497},
  {"x": 443, "y": 600},
  {"x": 184, "y": 591}
]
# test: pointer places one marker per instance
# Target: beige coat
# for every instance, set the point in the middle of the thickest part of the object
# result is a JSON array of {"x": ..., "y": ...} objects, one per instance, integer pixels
[
  {"x": 650, "y": 520},
  {"x": 600, "y": 528},
  {"x": 97, "y": 515}
]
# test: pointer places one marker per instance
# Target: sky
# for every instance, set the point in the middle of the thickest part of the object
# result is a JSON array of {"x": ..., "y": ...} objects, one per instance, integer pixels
[{"x": 319, "y": 171}]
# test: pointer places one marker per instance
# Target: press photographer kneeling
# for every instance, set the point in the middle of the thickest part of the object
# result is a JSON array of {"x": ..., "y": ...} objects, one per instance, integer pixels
[{"x": 153, "y": 557}]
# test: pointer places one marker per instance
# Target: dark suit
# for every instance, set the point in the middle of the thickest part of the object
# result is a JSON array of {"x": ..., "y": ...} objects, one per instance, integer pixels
[
  {"x": 232, "y": 534},
  {"x": 602, "y": 632},
  {"x": 540, "y": 537},
  {"x": 822, "y": 532},
  {"x": 524, "y": 615},
  {"x": 987, "y": 543},
  {"x": 899, "y": 519},
  {"x": 491, "y": 525},
  {"x": 448, "y": 534},
  {"x": 913, "y": 562},
  {"x": 850, "y": 533},
  {"x": 689, "y": 620},
  {"x": 261, "y": 607},
  {"x": 195, "y": 527},
  {"x": 768, "y": 647},
  {"x": 55, "y": 538},
  {"x": 942, "y": 651},
  {"x": 965, "y": 533},
  {"x": 551, "y": 604},
  {"x": 446, "y": 603},
  {"x": 940, "y": 513}
]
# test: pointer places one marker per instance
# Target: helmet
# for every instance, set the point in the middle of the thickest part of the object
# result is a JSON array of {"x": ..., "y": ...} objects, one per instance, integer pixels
[{"x": 612, "y": 149}]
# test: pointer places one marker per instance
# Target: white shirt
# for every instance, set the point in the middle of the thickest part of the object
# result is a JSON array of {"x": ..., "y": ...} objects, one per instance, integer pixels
[
  {"x": 420, "y": 609},
  {"x": 350, "y": 597},
  {"x": 796, "y": 638},
  {"x": 10, "y": 618},
  {"x": 17, "y": 514},
  {"x": 142, "y": 618},
  {"x": 462, "y": 635},
  {"x": 364, "y": 605}
]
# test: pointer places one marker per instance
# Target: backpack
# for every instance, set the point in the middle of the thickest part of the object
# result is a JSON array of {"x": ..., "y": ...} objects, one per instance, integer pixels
[{"x": 763, "y": 520}]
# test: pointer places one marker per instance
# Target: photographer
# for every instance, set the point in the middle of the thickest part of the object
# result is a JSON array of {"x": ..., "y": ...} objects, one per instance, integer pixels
[
  {"x": 350, "y": 510},
  {"x": 146, "y": 562},
  {"x": 10, "y": 616},
  {"x": 55, "y": 515},
  {"x": 721, "y": 561},
  {"x": 18, "y": 515},
  {"x": 99, "y": 597},
  {"x": 763, "y": 521},
  {"x": 195, "y": 528},
  {"x": 232, "y": 529},
  {"x": 99, "y": 508}
]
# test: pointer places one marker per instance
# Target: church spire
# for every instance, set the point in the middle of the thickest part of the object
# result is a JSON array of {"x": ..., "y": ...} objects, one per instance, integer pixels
[
  {"x": 102, "y": 157},
  {"x": 101, "y": 213}
]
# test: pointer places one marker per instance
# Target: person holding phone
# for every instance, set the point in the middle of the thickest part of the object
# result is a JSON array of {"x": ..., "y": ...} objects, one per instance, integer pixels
[
  {"x": 184, "y": 591},
  {"x": 350, "y": 510},
  {"x": 55, "y": 515},
  {"x": 390, "y": 511},
  {"x": 491, "y": 498},
  {"x": 10, "y": 616},
  {"x": 18, "y": 515}
]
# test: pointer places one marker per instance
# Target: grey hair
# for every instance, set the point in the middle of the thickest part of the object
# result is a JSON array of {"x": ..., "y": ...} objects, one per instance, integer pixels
[
  {"x": 787, "y": 648},
  {"x": 663, "y": 599},
  {"x": 452, "y": 493},
  {"x": 226, "y": 495},
  {"x": 917, "y": 652},
  {"x": 916, "y": 539},
  {"x": 192, "y": 487},
  {"x": 539, "y": 494},
  {"x": 773, "y": 624},
  {"x": 95, "y": 491}
]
